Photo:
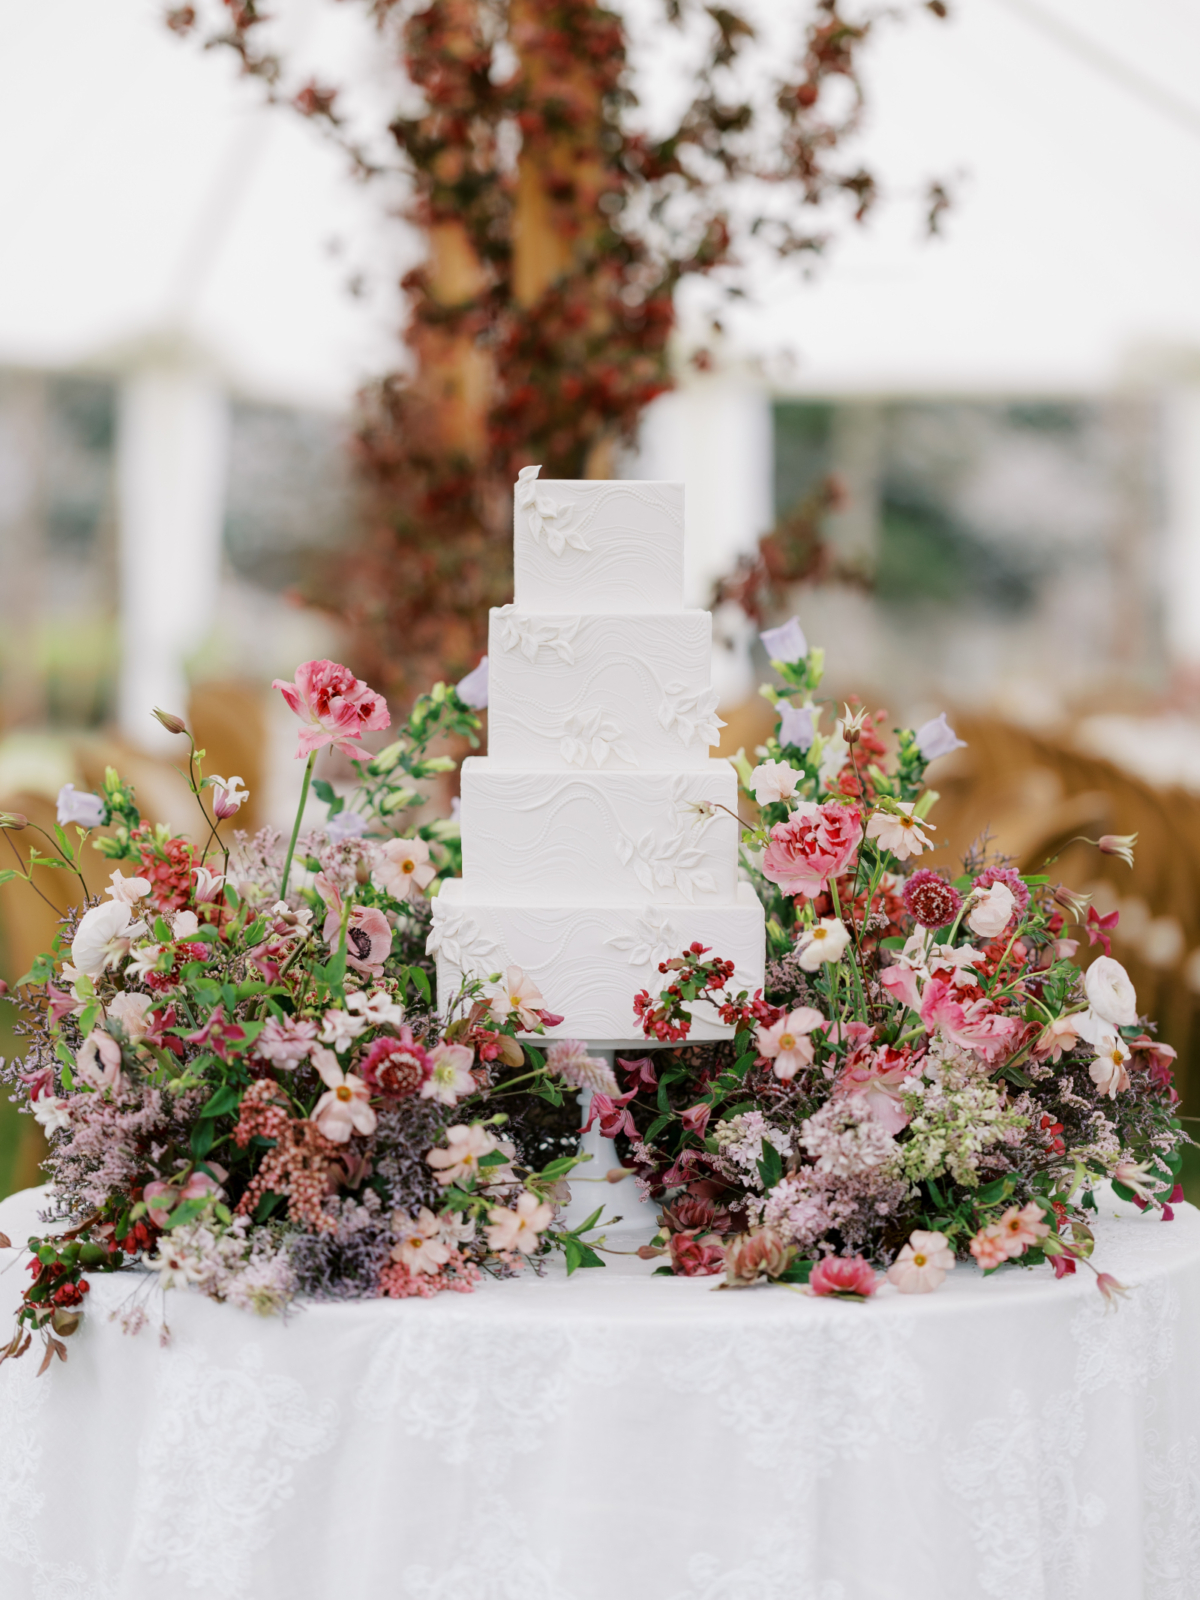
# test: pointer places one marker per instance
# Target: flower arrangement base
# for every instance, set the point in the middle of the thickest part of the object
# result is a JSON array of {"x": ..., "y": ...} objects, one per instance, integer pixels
[{"x": 420, "y": 1448}]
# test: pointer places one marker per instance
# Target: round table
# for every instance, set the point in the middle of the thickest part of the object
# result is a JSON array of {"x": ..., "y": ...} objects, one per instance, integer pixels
[{"x": 615, "y": 1436}]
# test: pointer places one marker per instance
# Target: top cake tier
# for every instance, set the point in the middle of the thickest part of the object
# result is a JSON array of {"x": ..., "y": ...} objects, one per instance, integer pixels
[{"x": 587, "y": 545}]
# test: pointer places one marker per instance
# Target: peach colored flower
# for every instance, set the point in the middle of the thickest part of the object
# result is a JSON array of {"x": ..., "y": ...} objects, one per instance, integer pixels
[
  {"x": 403, "y": 867},
  {"x": 848, "y": 1277},
  {"x": 465, "y": 1149},
  {"x": 989, "y": 1247},
  {"x": 520, "y": 994},
  {"x": 922, "y": 1264},
  {"x": 345, "y": 1108},
  {"x": 421, "y": 1247},
  {"x": 130, "y": 1011},
  {"x": 519, "y": 1228},
  {"x": 1056, "y": 1039},
  {"x": 750, "y": 1256},
  {"x": 450, "y": 1075},
  {"x": 1022, "y": 1227},
  {"x": 786, "y": 1043},
  {"x": 334, "y": 707}
]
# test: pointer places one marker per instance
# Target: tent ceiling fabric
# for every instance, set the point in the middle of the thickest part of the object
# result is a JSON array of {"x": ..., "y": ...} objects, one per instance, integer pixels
[{"x": 143, "y": 194}]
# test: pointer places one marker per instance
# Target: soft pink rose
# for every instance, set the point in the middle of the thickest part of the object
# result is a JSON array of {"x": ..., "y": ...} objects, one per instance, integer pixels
[
  {"x": 815, "y": 844},
  {"x": 695, "y": 1254},
  {"x": 335, "y": 707},
  {"x": 750, "y": 1256},
  {"x": 848, "y": 1276}
]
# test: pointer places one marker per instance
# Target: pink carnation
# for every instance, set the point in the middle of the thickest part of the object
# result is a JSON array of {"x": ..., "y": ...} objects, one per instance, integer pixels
[
  {"x": 333, "y": 705},
  {"x": 974, "y": 1026},
  {"x": 815, "y": 844},
  {"x": 696, "y": 1254},
  {"x": 843, "y": 1275}
]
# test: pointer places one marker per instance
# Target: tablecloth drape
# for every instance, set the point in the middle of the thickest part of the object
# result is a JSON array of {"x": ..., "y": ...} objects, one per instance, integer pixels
[{"x": 615, "y": 1436}]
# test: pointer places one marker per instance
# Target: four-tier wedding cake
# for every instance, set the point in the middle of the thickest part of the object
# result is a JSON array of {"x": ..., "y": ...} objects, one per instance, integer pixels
[{"x": 592, "y": 849}]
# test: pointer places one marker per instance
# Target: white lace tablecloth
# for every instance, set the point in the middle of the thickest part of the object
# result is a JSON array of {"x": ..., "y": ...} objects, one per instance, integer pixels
[{"x": 621, "y": 1437}]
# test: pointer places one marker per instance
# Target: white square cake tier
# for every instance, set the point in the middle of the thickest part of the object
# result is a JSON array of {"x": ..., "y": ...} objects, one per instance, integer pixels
[
  {"x": 590, "y": 692},
  {"x": 588, "y": 963},
  {"x": 596, "y": 545},
  {"x": 599, "y": 838}
]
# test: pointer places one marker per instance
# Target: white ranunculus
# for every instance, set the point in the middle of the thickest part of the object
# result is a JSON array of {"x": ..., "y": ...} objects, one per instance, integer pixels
[
  {"x": 79, "y": 806},
  {"x": 937, "y": 738},
  {"x": 102, "y": 937},
  {"x": 786, "y": 643},
  {"x": 1110, "y": 993},
  {"x": 992, "y": 911}
]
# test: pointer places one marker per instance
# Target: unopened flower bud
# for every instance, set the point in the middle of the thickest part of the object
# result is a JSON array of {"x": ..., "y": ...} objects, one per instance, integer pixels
[
  {"x": 617, "y": 1174},
  {"x": 13, "y": 820},
  {"x": 1071, "y": 900},
  {"x": 852, "y": 724},
  {"x": 171, "y": 723},
  {"x": 1118, "y": 844}
]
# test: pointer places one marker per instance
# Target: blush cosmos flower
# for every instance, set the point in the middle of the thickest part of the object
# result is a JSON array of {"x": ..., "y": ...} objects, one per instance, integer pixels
[
  {"x": 403, "y": 867},
  {"x": 421, "y": 1247},
  {"x": 773, "y": 780},
  {"x": 1021, "y": 1226},
  {"x": 989, "y": 1247},
  {"x": 465, "y": 1149},
  {"x": 345, "y": 1108},
  {"x": 922, "y": 1264},
  {"x": 334, "y": 706},
  {"x": 520, "y": 994},
  {"x": 519, "y": 1228},
  {"x": 899, "y": 831},
  {"x": 449, "y": 1075},
  {"x": 786, "y": 1043},
  {"x": 128, "y": 891},
  {"x": 98, "y": 1060},
  {"x": 1108, "y": 1071},
  {"x": 816, "y": 843},
  {"x": 825, "y": 941},
  {"x": 847, "y": 1277}
]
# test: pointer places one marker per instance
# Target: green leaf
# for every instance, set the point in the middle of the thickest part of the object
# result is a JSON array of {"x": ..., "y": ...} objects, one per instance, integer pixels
[
  {"x": 990, "y": 1195},
  {"x": 573, "y": 1251},
  {"x": 9, "y": 873},
  {"x": 556, "y": 1169},
  {"x": 591, "y": 1221},
  {"x": 1122, "y": 1190},
  {"x": 88, "y": 1020},
  {"x": 222, "y": 1101},
  {"x": 203, "y": 1138},
  {"x": 657, "y": 1126},
  {"x": 420, "y": 980},
  {"x": 494, "y": 1158},
  {"x": 770, "y": 1165},
  {"x": 41, "y": 971},
  {"x": 323, "y": 791},
  {"x": 797, "y": 1271},
  {"x": 270, "y": 1202},
  {"x": 743, "y": 1064},
  {"x": 186, "y": 1211}
]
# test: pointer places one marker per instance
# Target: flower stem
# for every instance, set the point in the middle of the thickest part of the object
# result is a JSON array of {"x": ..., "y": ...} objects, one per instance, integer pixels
[{"x": 287, "y": 865}]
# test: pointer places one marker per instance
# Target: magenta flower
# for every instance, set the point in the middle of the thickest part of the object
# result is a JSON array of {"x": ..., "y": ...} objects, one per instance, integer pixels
[
  {"x": 333, "y": 705},
  {"x": 848, "y": 1277}
]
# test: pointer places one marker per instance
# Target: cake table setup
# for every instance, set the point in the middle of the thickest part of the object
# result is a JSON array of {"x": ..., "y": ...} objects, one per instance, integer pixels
[{"x": 668, "y": 1178}]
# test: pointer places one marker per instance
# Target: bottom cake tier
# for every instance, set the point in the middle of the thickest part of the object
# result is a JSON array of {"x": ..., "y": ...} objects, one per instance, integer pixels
[{"x": 589, "y": 963}]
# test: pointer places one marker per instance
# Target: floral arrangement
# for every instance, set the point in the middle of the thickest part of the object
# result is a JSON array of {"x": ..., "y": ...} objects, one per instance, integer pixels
[
  {"x": 234, "y": 1052},
  {"x": 928, "y": 1077}
]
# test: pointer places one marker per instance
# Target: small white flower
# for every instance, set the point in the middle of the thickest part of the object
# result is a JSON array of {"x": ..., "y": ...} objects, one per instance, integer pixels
[
  {"x": 991, "y": 910},
  {"x": 185, "y": 925},
  {"x": 341, "y": 1029},
  {"x": 229, "y": 795},
  {"x": 937, "y": 738},
  {"x": 52, "y": 1112},
  {"x": 377, "y": 1008},
  {"x": 345, "y": 825},
  {"x": 1108, "y": 1070},
  {"x": 900, "y": 832},
  {"x": 826, "y": 941},
  {"x": 127, "y": 890}
]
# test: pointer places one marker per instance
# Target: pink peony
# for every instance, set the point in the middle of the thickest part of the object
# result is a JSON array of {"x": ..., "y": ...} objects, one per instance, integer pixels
[
  {"x": 922, "y": 1264},
  {"x": 875, "y": 1079},
  {"x": 334, "y": 706},
  {"x": 848, "y": 1277},
  {"x": 815, "y": 844},
  {"x": 695, "y": 1254}
]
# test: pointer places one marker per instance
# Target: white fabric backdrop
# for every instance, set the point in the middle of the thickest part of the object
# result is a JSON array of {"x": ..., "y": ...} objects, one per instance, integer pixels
[{"x": 622, "y": 1437}]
